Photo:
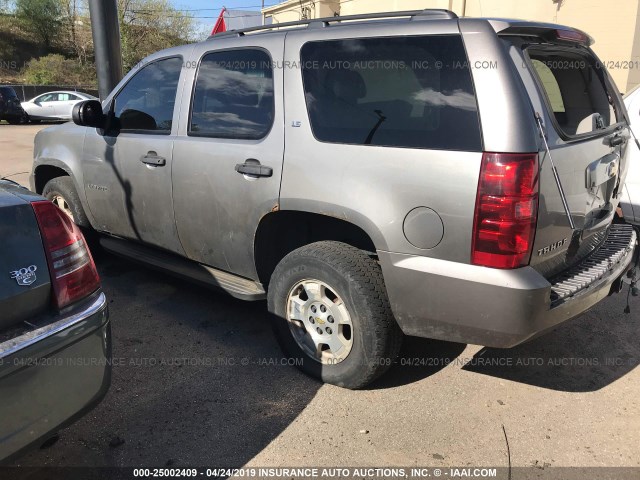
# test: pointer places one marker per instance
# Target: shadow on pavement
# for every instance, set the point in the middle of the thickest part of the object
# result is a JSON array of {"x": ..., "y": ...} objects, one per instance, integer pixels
[
  {"x": 198, "y": 379},
  {"x": 419, "y": 358},
  {"x": 583, "y": 355}
]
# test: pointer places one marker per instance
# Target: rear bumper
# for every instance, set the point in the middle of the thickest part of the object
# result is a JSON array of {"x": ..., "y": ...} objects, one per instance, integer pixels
[
  {"x": 496, "y": 308},
  {"x": 51, "y": 376}
]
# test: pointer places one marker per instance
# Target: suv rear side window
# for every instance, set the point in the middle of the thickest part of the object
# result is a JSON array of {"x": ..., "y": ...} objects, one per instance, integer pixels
[
  {"x": 145, "y": 104},
  {"x": 233, "y": 96},
  {"x": 413, "y": 92},
  {"x": 575, "y": 90}
]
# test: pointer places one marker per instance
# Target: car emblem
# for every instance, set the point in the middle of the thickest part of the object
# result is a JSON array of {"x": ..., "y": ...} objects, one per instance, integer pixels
[
  {"x": 25, "y": 276},
  {"x": 320, "y": 321}
]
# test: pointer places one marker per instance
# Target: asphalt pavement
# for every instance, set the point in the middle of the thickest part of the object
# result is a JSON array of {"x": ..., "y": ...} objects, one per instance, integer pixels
[{"x": 199, "y": 380}]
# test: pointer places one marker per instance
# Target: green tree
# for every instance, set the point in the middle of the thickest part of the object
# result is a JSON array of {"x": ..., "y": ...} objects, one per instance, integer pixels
[
  {"x": 57, "y": 70},
  {"x": 147, "y": 26},
  {"x": 76, "y": 29},
  {"x": 41, "y": 17}
]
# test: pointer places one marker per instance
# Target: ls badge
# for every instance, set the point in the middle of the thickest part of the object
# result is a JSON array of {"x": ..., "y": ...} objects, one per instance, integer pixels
[{"x": 25, "y": 276}]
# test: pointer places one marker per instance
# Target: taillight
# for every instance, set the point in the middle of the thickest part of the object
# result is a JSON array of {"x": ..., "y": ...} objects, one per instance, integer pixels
[
  {"x": 506, "y": 210},
  {"x": 73, "y": 273}
]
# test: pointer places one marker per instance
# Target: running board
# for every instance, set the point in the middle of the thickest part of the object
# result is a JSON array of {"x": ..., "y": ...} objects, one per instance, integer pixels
[{"x": 238, "y": 287}]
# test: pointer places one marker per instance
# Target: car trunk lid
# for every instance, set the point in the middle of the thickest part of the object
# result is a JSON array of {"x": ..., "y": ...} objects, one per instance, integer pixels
[{"x": 25, "y": 287}]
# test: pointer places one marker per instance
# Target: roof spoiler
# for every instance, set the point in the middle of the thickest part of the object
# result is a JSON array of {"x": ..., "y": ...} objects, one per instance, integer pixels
[{"x": 547, "y": 31}]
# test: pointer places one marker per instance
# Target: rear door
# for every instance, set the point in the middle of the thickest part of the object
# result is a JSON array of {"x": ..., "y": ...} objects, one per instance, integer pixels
[
  {"x": 64, "y": 104},
  {"x": 584, "y": 120},
  {"x": 228, "y": 155}
]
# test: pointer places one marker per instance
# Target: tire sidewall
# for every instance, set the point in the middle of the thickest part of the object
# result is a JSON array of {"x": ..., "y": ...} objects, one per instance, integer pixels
[
  {"x": 63, "y": 187},
  {"x": 350, "y": 370}
]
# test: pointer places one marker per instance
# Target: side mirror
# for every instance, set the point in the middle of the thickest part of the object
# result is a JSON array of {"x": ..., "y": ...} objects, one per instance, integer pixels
[{"x": 89, "y": 114}]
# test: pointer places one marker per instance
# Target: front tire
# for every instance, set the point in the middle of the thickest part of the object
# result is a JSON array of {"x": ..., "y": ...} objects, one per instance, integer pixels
[
  {"x": 332, "y": 315},
  {"x": 62, "y": 192}
]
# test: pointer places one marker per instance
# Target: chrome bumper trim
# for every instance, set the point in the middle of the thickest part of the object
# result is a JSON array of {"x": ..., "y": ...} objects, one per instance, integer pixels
[{"x": 27, "y": 339}]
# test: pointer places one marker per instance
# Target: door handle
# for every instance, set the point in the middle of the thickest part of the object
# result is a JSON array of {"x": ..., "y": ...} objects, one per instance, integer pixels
[
  {"x": 152, "y": 158},
  {"x": 252, "y": 167}
]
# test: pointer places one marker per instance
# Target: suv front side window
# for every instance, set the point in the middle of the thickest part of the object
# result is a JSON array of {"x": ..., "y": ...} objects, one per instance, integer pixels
[
  {"x": 47, "y": 97},
  {"x": 233, "y": 95},
  {"x": 145, "y": 104}
]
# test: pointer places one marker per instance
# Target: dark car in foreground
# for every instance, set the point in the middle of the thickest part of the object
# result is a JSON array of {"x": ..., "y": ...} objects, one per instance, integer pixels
[
  {"x": 10, "y": 108},
  {"x": 55, "y": 340}
]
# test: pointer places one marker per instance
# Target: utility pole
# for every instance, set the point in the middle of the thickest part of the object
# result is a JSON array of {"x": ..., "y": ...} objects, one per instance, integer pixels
[{"x": 106, "y": 44}]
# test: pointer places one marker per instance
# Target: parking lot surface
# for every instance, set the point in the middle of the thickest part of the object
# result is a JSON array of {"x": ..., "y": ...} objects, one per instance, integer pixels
[{"x": 198, "y": 379}]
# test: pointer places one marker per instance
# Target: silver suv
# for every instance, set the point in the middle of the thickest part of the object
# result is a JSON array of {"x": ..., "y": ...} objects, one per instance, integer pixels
[{"x": 373, "y": 176}]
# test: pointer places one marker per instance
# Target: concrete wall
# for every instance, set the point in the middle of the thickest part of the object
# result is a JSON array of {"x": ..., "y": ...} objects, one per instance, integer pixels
[{"x": 613, "y": 24}]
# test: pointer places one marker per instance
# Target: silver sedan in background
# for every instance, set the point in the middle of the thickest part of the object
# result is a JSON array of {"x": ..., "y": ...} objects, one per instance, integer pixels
[{"x": 53, "y": 106}]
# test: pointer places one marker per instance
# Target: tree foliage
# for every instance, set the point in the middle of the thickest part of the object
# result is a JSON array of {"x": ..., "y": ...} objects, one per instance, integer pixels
[
  {"x": 147, "y": 26},
  {"x": 43, "y": 18},
  {"x": 62, "y": 28},
  {"x": 55, "y": 69}
]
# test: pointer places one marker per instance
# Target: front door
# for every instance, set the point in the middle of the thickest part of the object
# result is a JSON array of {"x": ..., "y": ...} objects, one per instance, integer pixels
[
  {"x": 44, "y": 106},
  {"x": 127, "y": 171},
  {"x": 228, "y": 158}
]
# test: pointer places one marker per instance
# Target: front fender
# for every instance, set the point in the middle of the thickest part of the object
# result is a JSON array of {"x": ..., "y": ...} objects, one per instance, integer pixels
[{"x": 61, "y": 146}]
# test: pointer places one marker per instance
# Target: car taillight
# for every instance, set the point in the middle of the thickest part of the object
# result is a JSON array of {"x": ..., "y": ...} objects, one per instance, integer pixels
[
  {"x": 506, "y": 210},
  {"x": 73, "y": 273}
]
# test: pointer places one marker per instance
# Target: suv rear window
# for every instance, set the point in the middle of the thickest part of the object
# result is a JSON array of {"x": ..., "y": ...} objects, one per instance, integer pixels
[
  {"x": 413, "y": 92},
  {"x": 575, "y": 89}
]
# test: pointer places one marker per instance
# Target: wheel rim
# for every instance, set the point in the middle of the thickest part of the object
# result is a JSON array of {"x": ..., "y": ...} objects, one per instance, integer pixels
[
  {"x": 61, "y": 203},
  {"x": 319, "y": 321}
]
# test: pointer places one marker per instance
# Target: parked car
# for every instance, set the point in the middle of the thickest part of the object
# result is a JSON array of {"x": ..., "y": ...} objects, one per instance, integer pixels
[
  {"x": 52, "y": 106},
  {"x": 630, "y": 201},
  {"x": 369, "y": 178},
  {"x": 10, "y": 109},
  {"x": 55, "y": 338}
]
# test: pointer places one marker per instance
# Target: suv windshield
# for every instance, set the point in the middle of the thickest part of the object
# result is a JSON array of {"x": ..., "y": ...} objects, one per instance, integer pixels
[{"x": 575, "y": 89}]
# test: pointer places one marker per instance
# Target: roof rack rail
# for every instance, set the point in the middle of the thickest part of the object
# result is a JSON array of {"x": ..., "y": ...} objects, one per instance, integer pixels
[{"x": 427, "y": 14}]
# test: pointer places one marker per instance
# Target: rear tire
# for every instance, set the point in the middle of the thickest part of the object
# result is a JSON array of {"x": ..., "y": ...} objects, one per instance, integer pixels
[{"x": 332, "y": 292}]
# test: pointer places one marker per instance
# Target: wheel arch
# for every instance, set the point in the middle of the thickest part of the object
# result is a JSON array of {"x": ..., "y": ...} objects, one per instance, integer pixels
[
  {"x": 283, "y": 231},
  {"x": 48, "y": 171}
]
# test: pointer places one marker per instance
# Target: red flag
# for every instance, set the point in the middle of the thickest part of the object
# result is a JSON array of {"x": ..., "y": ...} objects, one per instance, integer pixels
[{"x": 220, "y": 26}]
